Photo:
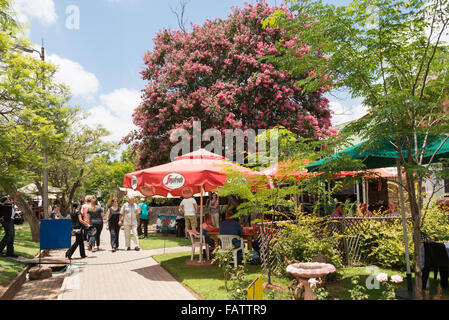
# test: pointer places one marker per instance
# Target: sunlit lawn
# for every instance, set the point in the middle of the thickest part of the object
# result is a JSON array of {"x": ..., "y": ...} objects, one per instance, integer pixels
[
  {"x": 23, "y": 247},
  {"x": 207, "y": 281},
  {"x": 156, "y": 241}
]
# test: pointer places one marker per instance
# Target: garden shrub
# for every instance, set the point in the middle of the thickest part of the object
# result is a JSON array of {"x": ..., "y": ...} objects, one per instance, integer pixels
[
  {"x": 301, "y": 241},
  {"x": 436, "y": 224},
  {"x": 382, "y": 244}
]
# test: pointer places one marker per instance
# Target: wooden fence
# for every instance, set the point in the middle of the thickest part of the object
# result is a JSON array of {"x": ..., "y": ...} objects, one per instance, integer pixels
[{"x": 349, "y": 230}]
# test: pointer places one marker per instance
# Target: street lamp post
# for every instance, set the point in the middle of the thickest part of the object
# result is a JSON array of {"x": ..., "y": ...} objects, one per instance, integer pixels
[{"x": 45, "y": 178}]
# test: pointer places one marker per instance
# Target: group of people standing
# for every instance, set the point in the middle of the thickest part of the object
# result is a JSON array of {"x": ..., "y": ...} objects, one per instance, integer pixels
[{"x": 88, "y": 218}]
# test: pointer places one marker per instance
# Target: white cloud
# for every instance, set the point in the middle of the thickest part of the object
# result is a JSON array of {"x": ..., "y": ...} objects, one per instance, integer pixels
[
  {"x": 115, "y": 113},
  {"x": 343, "y": 114},
  {"x": 81, "y": 82},
  {"x": 42, "y": 10}
]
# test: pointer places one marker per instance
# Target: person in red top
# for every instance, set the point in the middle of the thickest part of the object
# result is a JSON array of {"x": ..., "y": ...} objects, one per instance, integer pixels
[
  {"x": 363, "y": 211},
  {"x": 338, "y": 213},
  {"x": 84, "y": 208},
  {"x": 207, "y": 227}
]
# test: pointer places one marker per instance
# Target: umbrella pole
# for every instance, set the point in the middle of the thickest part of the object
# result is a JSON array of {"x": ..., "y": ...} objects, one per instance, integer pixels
[
  {"x": 201, "y": 225},
  {"x": 404, "y": 227},
  {"x": 357, "y": 185}
]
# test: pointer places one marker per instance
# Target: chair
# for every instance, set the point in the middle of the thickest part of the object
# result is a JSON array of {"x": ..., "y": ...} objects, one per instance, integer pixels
[
  {"x": 436, "y": 259},
  {"x": 439, "y": 256},
  {"x": 198, "y": 244},
  {"x": 226, "y": 243}
]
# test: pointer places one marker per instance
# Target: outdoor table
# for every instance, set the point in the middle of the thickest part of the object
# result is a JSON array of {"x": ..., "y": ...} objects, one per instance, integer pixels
[{"x": 245, "y": 236}]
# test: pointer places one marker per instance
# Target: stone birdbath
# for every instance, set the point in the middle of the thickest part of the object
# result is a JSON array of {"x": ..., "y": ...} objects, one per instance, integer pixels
[{"x": 303, "y": 272}]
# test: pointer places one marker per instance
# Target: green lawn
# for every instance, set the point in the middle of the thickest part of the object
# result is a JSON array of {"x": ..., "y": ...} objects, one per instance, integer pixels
[
  {"x": 156, "y": 241},
  {"x": 207, "y": 281},
  {"x": 23, "y": 247}
]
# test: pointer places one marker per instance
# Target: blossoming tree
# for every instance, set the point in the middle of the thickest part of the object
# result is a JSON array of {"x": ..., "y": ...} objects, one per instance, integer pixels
[{"x": 215, "y": 74}]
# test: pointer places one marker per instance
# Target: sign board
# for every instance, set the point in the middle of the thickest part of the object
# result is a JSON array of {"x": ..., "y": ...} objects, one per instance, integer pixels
[
  {"x": 255, "y": 290},
  {"x": 56, "y": 234},
  {"x": 166, "y": 222}
]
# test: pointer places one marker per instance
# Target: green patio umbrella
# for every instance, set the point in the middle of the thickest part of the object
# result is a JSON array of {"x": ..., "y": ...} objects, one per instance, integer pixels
[{"x": 384, "y": 155}]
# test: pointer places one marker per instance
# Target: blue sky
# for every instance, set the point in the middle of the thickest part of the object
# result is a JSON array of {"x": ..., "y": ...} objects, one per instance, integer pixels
[{"x": 102, "y": 59}]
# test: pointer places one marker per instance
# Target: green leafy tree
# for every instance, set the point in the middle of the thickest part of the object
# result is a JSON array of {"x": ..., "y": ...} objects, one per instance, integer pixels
[
  {"x": 32, "y": 110},
  {"x": 391, "y": 54},
  {"x": 107, "y": 173},
  {"x": 74, "y": 159}
]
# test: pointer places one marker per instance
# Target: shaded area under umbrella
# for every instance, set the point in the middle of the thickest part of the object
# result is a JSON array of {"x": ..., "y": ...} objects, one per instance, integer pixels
[{"x": 197, "y": 172}]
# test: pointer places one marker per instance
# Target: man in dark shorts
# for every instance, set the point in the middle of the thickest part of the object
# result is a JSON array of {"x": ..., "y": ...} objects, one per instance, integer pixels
[{"x": 7, "y": 221}]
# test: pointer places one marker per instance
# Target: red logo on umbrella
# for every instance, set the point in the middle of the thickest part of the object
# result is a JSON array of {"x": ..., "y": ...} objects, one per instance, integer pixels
[{"x": 174, "y": 181}]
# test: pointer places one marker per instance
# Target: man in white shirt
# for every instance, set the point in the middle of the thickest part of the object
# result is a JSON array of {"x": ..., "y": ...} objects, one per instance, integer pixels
[
  {"x": 189, "y": 207},
  {"x": 7, "y": 221},
  {"x": 129, "y": 218}
]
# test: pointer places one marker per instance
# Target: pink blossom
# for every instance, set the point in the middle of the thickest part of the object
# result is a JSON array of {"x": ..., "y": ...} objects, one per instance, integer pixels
[
  {"x": 214, "y": 73},
  {"x": 382, "y": 277},
  {"x": 396, "y": 278}
]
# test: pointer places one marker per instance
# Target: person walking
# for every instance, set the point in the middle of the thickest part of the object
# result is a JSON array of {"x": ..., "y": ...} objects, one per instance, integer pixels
[
  {"x": 78, "y": 224},
  {"x": 95, "y": 216},
  {"x": 144, "y": 211},
  {"x": 112, "y": 218},
  {"x": 214, "y": 205},
  {"x": 7, "y": 212},
  {"x": 85, "y": 205},
  {"x": 129, "y": 219}
]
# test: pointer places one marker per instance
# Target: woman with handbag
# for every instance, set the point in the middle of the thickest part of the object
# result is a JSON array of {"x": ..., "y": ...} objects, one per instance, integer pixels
[
  {"x": 95, "y": 216},
  {"x": 112, "y": 218},
  {"x": 78, "y": 225}
]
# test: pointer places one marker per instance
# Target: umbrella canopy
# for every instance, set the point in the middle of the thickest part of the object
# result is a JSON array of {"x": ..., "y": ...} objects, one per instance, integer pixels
[
  {"x": 380, "y": 173},
  {"x": 201, "y": 154},
  {"x": 185, "y": 173},
  {"x": 32, "y": 189},
  {"x": 137, "y": 194},
  {"x": 385, "y": 155},
  {"x": 282, "y": 171}
]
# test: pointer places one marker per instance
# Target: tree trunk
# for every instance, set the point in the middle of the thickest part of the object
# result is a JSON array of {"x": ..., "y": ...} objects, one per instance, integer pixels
[
  {"x": 416, "y": 219},
  {"x": 30, "y": 217}
]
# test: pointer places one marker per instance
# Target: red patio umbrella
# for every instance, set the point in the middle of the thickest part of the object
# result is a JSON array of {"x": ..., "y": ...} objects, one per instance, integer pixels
[{"x": 197, "y": 172}]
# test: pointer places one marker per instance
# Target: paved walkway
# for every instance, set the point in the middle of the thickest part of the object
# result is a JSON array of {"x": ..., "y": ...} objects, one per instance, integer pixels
[
  {"x": 123, "y": 275},
  {"x": 104, "y": 275}
]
